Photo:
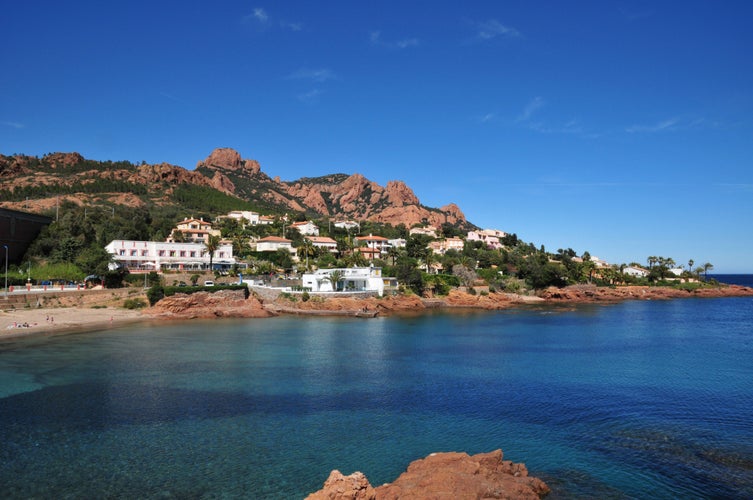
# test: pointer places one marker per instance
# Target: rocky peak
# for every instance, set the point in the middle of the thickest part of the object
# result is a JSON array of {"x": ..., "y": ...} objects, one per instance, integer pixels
[
  {"x": 229, "y": 159},
  {"x": 400, "y": 194},
  {"x": 62, "y": 160}
]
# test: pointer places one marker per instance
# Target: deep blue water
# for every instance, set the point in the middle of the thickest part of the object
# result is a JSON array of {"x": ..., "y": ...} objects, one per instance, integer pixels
[
  {"x": 635, "y": 400},
  {"x": 734, "y": 279}
]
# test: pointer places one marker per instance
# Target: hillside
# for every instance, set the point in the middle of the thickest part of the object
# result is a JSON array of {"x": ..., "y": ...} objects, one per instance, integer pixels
[{"x": 223, "y": 181}]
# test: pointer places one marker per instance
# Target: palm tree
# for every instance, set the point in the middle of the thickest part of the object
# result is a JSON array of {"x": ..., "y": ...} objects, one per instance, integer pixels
[
  {"x": 394, "y": 253},
  {"x": 306, "y": 250},
  {"x": 429, "y": 259},
  {"x": 240, "y": 244},
  {"x": 651, "y": 261},
  {"x": 178, "y": 236},
  {"x": 690, "y": 265},
  {"x": 708, "y": 266},
  {"x": 211, "y": 246},
  {"x": 334, "y": 278}
]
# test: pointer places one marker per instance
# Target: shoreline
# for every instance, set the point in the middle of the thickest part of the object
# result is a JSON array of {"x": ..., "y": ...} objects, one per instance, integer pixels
[
  {"x": 77, "y": 318},
  {"x": 62, "y": 320}
]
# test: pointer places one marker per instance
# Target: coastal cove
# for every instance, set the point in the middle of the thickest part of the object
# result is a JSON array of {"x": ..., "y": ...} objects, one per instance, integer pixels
[{"x": 641, "y": 398}]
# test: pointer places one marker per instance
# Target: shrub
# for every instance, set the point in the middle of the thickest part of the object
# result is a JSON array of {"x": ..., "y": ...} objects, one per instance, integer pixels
[
  {"x": 134, "y": 303},
  {"x": 305, "y": 296},
  {"x": 155, "y": 294}
]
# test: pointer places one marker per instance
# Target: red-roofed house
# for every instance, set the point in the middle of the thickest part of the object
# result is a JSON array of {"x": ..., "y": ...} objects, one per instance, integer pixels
[
  {"x": 375, "y": 246},
  {"x": 323, "y": 242},
  {"x": 274, "y": 243}
]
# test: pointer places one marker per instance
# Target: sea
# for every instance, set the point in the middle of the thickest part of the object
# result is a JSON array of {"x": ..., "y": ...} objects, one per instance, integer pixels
[{"x": 640, "y": 399}]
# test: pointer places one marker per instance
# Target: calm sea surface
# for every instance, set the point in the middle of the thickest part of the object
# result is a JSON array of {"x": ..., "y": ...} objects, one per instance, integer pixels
[{"x": 635, "y": 400}]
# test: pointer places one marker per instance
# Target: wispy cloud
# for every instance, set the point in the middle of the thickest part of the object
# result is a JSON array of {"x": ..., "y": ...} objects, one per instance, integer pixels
[
  {"x": 15, "y": 125},
  {"x": 310, "y": 97},
  {"x": 531, "y": 108},
  {"x": 291, "y": 26},
  {"x": 529, "y": 119},
  {"x": 376, "y": 39},
  {"x": 487, "y": 117},
  {"x": 316, "y": 75},
  {"x": 260, "y": 15},
  {"x": 669, "y": 125},
  {"x": 491, "y": 29},
  {"x": 261, "y": 19}
]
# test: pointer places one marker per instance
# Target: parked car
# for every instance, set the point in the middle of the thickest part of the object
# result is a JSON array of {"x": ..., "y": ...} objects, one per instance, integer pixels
[{"x": 209, "y": 283}]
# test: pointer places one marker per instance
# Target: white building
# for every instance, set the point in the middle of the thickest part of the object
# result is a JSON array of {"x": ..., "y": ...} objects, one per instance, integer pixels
[
  {"x": 245, "y": 217},
  {"x": 442, "y": 246},
  {"x": 375, "y": 246},
  {"x": 352, "y": 279},
  {"x": 638, "y": 272},
  {"x": 397, "y": 243},
  {"x": 194, "y": 231},
  {"x": 159, "y": 255},
  {"x": 347, "y": 224},
  {"x": 490, "y": 237},
  {"x": 323, "y": 242},
  {"x": 306, "y": 228},
  {"x": 426, "y": 231},
  {"x": 274, "y": 243}
]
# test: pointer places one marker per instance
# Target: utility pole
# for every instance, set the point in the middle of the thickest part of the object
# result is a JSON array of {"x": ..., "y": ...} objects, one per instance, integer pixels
[{"x": 6, "y": 270}]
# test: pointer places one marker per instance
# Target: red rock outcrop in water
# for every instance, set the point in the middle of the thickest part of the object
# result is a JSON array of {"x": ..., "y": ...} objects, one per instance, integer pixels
[{"x": 451, "y": 476}]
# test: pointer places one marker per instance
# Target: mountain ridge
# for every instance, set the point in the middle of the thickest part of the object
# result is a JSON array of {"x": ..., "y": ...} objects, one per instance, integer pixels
[{"x": 37, "y": 183}]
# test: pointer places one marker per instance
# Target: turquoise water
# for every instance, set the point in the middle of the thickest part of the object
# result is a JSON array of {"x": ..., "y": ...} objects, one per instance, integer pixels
[{"x": 635, "y": 400}]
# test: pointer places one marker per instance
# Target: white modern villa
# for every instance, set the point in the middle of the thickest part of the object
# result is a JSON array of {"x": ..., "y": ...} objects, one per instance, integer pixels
[{"x": 351, "y": 279}]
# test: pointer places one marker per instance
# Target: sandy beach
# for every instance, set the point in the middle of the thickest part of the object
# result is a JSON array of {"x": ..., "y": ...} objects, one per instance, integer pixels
[{"x": 20, "y": 322}]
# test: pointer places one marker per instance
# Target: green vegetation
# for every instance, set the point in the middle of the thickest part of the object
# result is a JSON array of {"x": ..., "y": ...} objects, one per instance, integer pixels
[
  {"x": 134, "y": 304},
  {"x": 72, "y": 247}
]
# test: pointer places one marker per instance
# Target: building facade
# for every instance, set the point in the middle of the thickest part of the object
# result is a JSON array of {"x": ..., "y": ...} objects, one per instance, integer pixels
[
  {"x": 351, "y": 279},
  {"x": 194, "y": 231},
  {"x": 274, "y": 243},
  {"x": 161, "y": 255}
]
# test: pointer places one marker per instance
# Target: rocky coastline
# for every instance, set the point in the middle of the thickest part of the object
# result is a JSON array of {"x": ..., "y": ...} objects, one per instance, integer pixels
[
  {"x": 452, "y": 475},
  {"x": 93, "y": 310},
  {"x": 226, "y": 303}
]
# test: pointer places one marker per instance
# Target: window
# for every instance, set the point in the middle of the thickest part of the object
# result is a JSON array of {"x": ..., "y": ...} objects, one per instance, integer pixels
[
  {"x": 122, "y": 252},
  {"x": 161, "y": 253},
  {"x": 182, "y": 253},
  {"x": 222, "y": 254},
  {"x": 144, "y": 253},
  {"x": 134, "y": 253},
  {"x": 172, "y": 253},
  {"x": 193, "y": 253}
]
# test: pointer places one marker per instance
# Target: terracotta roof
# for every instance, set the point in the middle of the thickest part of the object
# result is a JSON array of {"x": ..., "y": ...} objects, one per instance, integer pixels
[
  {"x": 275, "y": 239},
  {"x": 321, "y": 239}
]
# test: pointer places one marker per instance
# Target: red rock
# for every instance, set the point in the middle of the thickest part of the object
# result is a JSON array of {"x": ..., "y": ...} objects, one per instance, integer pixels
[
  {"x": 223, "y": 303},
  {"x": 451, "y": 476},
  {"x": 352, "y": 487}
]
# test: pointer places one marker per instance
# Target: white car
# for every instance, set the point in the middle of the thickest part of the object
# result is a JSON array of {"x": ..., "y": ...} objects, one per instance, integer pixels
[{"x": 209, "y": 283}]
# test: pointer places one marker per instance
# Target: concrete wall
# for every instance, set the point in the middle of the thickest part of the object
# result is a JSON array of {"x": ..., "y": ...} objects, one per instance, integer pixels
[{"x": 18, "y": 230}]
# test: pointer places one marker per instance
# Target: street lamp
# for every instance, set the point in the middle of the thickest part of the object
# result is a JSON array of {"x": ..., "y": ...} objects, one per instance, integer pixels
[{"x": 6, "y": 270}]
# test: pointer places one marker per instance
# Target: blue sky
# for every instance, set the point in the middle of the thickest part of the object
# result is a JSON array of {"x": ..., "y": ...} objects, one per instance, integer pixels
[{"x": 624, "y": 128}]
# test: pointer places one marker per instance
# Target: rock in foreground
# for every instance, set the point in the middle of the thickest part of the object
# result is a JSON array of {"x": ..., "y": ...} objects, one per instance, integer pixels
[{"x": 442, "y": 476}]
